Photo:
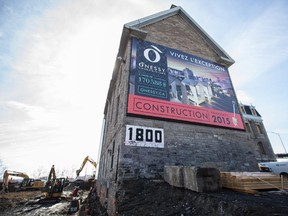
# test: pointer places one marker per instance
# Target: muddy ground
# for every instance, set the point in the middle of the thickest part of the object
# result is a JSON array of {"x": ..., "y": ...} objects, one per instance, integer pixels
[
  {"x": 153, "y": 198},
  {"x": 32, "y": 203},
  {"x": 143, "y": 197}
]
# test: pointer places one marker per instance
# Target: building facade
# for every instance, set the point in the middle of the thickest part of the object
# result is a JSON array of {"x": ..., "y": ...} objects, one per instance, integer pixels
[
  {"x": 171, "y": 102},
  {"x": 256, "y": 131}
]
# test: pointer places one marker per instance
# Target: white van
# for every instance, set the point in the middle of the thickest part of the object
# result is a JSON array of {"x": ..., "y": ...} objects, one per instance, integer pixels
[{"x": 279, "y": 168}]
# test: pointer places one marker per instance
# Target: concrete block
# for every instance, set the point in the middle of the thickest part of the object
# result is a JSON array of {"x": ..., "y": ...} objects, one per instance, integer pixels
[
  {"x": 201, "y": 179},
  {"x": 174, "y": 175}
]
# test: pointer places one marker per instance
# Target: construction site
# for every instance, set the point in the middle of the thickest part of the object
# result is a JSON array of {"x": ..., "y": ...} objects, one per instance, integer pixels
[
  {"x": 156, "y": 197},
  {"x": 175, "y": 139},
  {"x": 35, "y": 196}
]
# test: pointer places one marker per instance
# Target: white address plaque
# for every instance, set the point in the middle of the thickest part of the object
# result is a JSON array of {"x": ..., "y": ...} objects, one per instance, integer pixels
[{"x": 144, "y": 136}]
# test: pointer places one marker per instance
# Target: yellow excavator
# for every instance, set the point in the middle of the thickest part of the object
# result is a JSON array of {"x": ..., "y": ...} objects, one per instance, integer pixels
[
  {"x": 29, "y": 184},
  {"x": 26, "y": 184},
  {"x": 54, "y": 186},
  {"x": 86, "y": 159}
]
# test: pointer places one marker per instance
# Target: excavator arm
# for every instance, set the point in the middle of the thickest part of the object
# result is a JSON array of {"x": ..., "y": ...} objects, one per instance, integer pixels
[
  {"x": 52, "y": 173},
  {"x": 54, "y": 186},
  {"x": 8, "y": 173},
  {"x": 86, "y": 159}
]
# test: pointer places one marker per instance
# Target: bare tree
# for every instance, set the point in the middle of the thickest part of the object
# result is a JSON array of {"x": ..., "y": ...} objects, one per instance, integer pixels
[
  {"x": 65, "y": 172},
  {"x": 40, "y": 172},
  {"x": 2, "y": 168}
]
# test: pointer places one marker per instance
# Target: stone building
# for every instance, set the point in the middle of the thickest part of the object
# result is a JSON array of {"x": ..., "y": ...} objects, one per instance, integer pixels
[
  {"x": 171, "y": 102},
  {"x": 256, "y": 131}
]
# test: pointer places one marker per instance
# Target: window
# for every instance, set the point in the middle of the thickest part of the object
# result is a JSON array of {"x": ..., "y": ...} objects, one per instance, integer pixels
[
  {"x": 247, "y": 110},
  {"x": 261, "y": 148},
  {"x": 112, "y": 155},
  {"x": 116, "y": 172},
  {"x": 111, "y": 110},
  {"x": 254, "y": 112},
  {"x": 179, "y": 92},
  {"x": 117, "y": 110},
  {"x": 104, "y": 165},
  {"x": 247, "y": 127},
  {"x": 120, "y": 76},
  {"x": 259, "y": 128},
  {"x": 242, "y": 110}
]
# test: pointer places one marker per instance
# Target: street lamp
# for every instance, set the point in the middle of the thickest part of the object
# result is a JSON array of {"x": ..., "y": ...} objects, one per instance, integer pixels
[{"x": 280, "y": 139}]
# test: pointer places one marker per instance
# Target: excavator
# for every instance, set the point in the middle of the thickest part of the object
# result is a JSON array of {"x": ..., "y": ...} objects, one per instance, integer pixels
[
  {"x": 29, "y": 184},
  {"x": 86, "y": 159},
  {"x": 26, "y": 184},
  {"x": 54, "y": 186}
]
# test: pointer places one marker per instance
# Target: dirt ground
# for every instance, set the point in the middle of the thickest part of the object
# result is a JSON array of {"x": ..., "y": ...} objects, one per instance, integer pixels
[
  {"x": 153, "y": 198},
  {"x": 27, "y": 203},
  {"x": 143, "y": 197},
  {"x": 12, "y": 200}
]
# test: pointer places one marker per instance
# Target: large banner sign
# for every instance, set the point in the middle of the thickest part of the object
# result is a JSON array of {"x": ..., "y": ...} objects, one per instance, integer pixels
[{"x": 171, "y": 84}]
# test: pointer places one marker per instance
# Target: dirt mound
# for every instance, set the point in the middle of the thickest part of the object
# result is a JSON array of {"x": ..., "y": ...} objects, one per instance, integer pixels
[{"x": 144, "y": 197}]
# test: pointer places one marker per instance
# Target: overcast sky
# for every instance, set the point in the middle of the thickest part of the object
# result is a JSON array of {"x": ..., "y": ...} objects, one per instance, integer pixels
[{"x": 57, "y": 57}]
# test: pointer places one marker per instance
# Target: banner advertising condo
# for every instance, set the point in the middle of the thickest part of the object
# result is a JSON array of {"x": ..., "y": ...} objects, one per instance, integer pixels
[{"x": 171, "y": 84}]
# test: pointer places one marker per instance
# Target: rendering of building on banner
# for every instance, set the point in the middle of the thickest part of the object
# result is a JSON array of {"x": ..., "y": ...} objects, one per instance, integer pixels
[{"x": 171, "y": 101}]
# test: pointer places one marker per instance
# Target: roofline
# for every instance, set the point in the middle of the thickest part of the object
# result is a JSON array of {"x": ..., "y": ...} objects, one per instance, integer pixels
[{"x": 138, "y": 24}]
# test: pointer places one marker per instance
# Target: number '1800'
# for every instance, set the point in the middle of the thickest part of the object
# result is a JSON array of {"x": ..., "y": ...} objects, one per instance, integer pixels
[
  {"x": 148, "y": 135},
  {"x": 144, "y": 136}
]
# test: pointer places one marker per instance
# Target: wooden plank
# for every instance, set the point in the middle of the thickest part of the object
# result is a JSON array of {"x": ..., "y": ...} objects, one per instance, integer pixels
[
  {"x": 242, "y": 190},
  {"x": 252, "y": 181}
]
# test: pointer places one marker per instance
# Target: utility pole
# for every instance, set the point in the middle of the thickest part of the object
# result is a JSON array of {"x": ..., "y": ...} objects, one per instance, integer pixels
[{"x": 280, "y": 139}]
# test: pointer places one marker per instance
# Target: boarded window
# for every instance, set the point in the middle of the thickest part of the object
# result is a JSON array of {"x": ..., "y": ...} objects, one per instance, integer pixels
[
  {"x": 261, "y": 148},
  {"x": 112, "y": 156},
  {"x": 259, "y": 128},
  {"x": 242, "y": 110},
  {"x": 117, "y": 109},
  {"x": 247, "y": 127}
]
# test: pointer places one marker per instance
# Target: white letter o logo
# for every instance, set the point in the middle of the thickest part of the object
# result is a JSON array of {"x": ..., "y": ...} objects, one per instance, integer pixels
[{"x": 156, "y": 52}]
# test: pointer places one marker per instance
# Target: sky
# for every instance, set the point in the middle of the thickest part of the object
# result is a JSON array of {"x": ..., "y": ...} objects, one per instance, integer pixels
[{"x": 57, "y": 58}]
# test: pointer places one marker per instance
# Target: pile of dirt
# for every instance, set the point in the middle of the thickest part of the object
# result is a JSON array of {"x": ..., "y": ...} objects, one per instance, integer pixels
[{"x": 146, "y": 197}]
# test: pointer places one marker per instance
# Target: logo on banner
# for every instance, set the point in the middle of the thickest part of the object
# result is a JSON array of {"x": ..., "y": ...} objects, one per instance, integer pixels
[
  {"x": 152, "y": 59},
  {"x": 151, "y": 77},
  {"x": 152, "y": 52}
]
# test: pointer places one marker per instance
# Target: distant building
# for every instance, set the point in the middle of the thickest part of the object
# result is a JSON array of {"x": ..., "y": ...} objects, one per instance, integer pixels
[
  {"x": 256, "y": 131},
  {"x": 171, "y": 102}
]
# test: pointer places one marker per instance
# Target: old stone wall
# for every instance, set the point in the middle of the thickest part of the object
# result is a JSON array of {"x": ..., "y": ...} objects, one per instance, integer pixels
[
  {"x": 176, "y": 33},
  {"x": 188, "y": 145},
  {"x": 185, "y": 144}
]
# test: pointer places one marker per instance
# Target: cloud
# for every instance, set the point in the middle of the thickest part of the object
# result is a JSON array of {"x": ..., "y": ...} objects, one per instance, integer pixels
[
  {"x": 244, "y": 97},
  {"x": 58, "y": 83},
  {"x": 259, "y": 46},
  {"x": 63, "y": 54},
  {"x": 58, "y": 64}
]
